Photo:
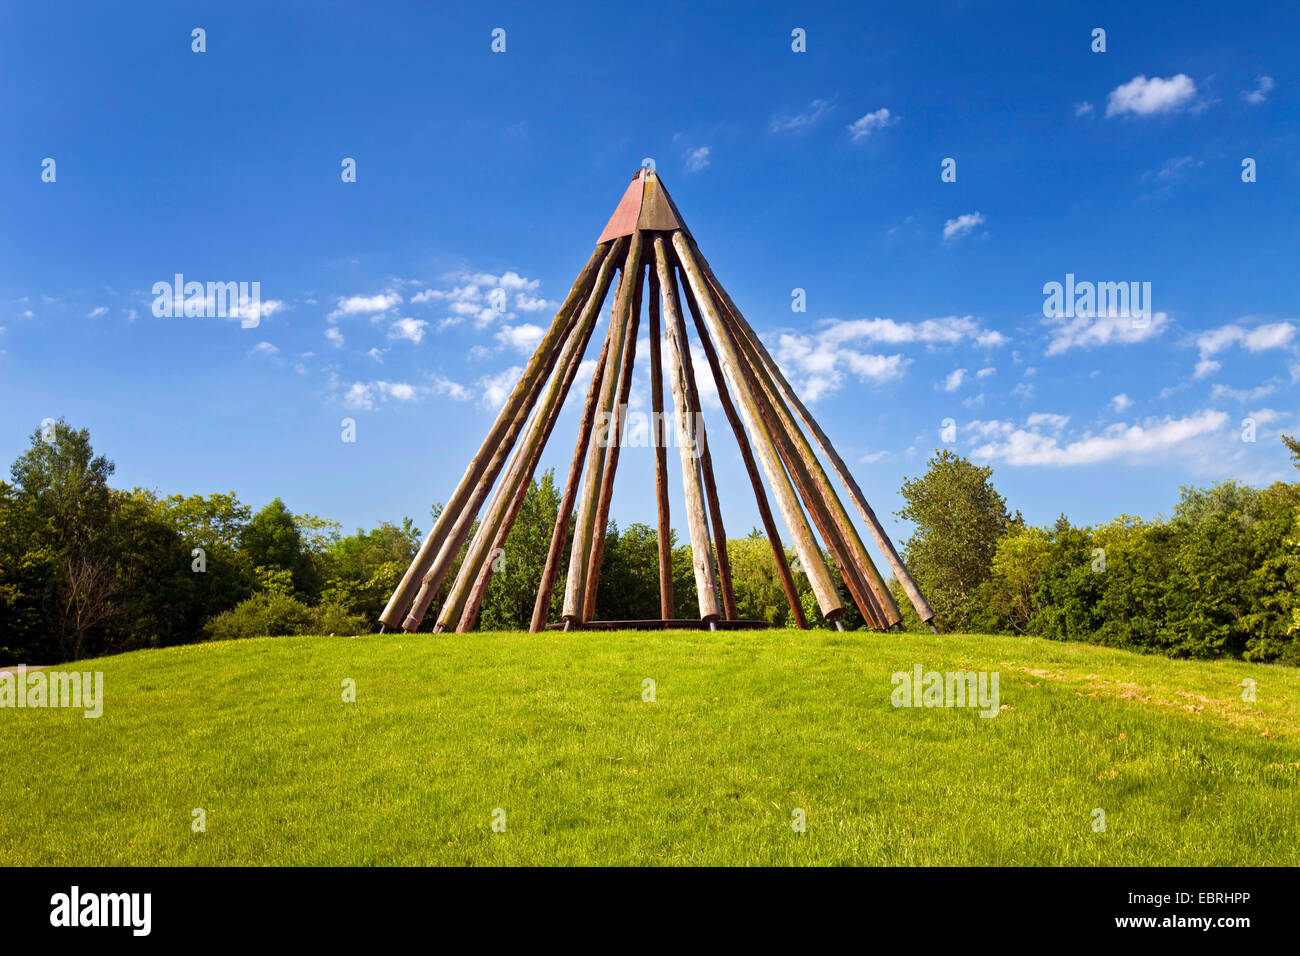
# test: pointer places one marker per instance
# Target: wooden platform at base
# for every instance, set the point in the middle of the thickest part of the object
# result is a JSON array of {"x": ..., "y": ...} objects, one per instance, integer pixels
[{"x": 687, "y": 624}]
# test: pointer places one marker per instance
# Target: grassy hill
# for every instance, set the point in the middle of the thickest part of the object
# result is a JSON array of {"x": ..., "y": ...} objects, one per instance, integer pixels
[{"x": 746, "y": 728}]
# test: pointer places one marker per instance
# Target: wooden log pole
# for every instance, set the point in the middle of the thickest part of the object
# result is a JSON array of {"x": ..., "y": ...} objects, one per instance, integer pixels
[
  {"x": 706, "y": 471},
  {"x": 524, "y": 462},
  {"x": 542, "y": 607},
  {"x": 575, "y": 583},
  {"x": 878, "y": 532},
  {"x": 688, "y": 437},
  {"x": 828, "y": 513},
  {"x": 667, "y": 600},
  {"x": 601, "y": 524},
  {"x": 803, "y": 482},
  {"x": 572, "y": 361},
  {"x": 805, "y": 545},
  {"x": 751, "y": 467},
  {"x": 523, "y": 395}
]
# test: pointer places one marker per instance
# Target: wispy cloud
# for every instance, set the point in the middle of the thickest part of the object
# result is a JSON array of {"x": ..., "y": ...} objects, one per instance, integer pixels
[
  {"x": 697, "y": 159},
  {"x": 797, "y": 122},
  {"x": 864, "y": 126},
  {"x": 1263, "y": 85},
  {"x": 1086, "y": 331},
  {"x": 823, "y": 361},
  {"x": 1273, "y": 335},
  {"x": 484, "y": 298},
  {"x": 412, "y": 330},
  {"x": 354, "y": 305},
  {"x": 963, "y": 225},
  {"x": 1039, "y": 442}
]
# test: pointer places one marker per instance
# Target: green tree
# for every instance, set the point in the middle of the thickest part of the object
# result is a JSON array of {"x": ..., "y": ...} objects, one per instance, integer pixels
[
  {"x": 959, "y": 519},
  {"x": 271, "y": 540},
  {"x": 1020, "y": 564},
  {"x": 508, "y": 603},
  {"x": 754, "y": 576}
]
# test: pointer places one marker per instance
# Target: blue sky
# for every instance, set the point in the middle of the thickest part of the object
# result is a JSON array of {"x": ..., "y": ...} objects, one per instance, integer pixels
[{"x": 818, "y": 171}]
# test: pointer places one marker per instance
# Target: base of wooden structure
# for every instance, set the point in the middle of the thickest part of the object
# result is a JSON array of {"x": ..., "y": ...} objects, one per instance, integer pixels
[{"x": 684, "y": 624}]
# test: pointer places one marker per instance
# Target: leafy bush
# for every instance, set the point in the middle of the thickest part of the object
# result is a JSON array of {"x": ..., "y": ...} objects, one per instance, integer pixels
[{"x": 262, "y": 615}]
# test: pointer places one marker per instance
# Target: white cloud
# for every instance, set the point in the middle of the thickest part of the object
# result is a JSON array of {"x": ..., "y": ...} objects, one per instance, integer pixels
[
  {"x": 365, "y": 304},
  {"x": 97, "y": 312},
  {"x": 954, "y": 380},
  {"x": 1263, "y": 84},
  {"x": 484, "y": 297},
  {"x": 1031, "y": 446},
  {"x": 367, "y": 395},
  {"x": 872, "y": 457},
  {"x": 1207, "y": 367},
  {"x": 697, "y": 159},
  {"x": 1146, "y": 97},
  {"x": 824, "y": 360},
  {"x": 1121, "y": 402},
  {"x": 788, "y": 123},
  {"x": 494, "y": 389},
  {"x": 265, "y": 348},
  {"x": 1086, "y": 331},
  {"x": 949, "y": 330},
  {"x": 1051, "y": 420},
  {"x": 521, "y": 338},
  {"x": 1174, "y": 169},
  {"x": 377, "y": 354},
  {"x": 986, "y": 372},
  {"x": 964, "y": 224},
  {"x": 1083, "y": 109},
  {"x": 864, "y": 126},
  {"x": 528, "y": 303},
  {"x": 1219, "y": 392},
  {"x": 256, "y": 309},
  {"x": 412, "y": 330},
  {"x": 334, "y": 335},
  {"x": 822, "y": 364},
  {"x": 1273, "y": 335}
]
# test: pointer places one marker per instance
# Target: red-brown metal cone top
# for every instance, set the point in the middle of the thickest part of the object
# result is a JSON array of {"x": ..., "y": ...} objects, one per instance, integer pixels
[{"x": 647, "y": 206}]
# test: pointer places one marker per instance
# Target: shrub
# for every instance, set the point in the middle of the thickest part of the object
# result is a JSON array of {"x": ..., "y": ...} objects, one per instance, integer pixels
[{"x": 262, "y": 615}]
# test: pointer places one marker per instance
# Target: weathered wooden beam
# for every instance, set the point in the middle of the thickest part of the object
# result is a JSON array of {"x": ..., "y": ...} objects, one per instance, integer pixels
[
  {"x": 706, "y": 471},
  {"x": 503, "y": 432},
  {"x": 520, "y": 472},
  {"x": 575, "y": 583},
  {"x": 611, "y": 458},
  {"x": 797, "y": 468},
  {"x": 542, "y": 607},
  {"x": 572, "y": 362},
  {"x": 878, "y": 532},
  {"x": 667, "y": 600},
  {"x": 465, "y": 520},
  {"x": 688, "y": 437},
  {"x": 859, "y": 572},
  {"x": 747, "y": 456},
  {"x": 805, "y": 545}
]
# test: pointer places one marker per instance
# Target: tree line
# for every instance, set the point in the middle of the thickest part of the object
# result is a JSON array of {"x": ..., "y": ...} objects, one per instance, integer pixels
[{"x": 87, "y": 569}]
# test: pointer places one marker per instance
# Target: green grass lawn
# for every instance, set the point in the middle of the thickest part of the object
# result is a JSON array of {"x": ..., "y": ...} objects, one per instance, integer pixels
[{"x": 746, "y": 728}]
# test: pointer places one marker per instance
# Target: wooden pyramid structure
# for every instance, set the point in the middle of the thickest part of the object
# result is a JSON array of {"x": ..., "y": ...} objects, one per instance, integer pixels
[{"x": 647, "y": 243}]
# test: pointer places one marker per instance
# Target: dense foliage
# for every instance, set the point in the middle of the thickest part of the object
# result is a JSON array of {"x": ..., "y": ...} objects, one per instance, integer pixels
[
  {"x": 86, "y": 569},
  {"x": 1218, "y": 577}
]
